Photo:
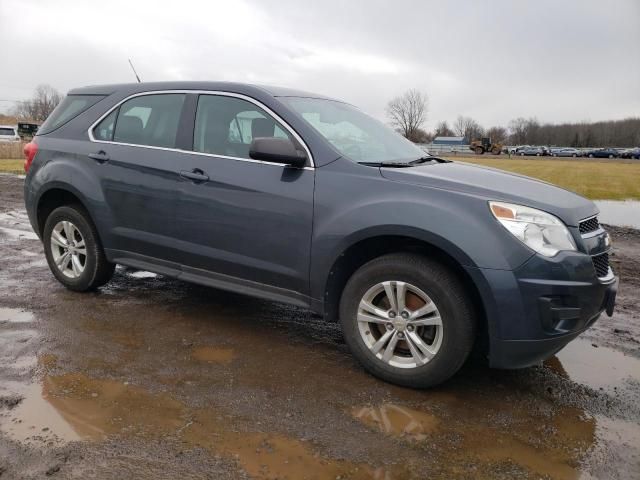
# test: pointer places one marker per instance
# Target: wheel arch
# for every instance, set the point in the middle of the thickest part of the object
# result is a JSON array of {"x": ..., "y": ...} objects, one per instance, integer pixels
[
  {"x": 57, "y": 195},
  {"x": 364, "y": 249}
]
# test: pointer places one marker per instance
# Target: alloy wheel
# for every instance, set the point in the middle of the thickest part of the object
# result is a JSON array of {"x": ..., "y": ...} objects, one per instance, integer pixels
[
  {"x": 400, "y": 324},
  {"x": 68, "y": 249}
]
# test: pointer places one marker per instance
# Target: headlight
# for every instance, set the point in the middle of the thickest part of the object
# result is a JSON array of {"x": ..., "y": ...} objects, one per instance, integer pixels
[{"x": 540, "y": 231}]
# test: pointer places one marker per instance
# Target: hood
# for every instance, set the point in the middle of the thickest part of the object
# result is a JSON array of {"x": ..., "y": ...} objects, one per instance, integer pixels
[{"x": 492, "y": 184}]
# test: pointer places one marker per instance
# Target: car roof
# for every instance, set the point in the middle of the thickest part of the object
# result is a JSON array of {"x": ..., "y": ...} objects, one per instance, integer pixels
[{"x": 242, "y": 88}]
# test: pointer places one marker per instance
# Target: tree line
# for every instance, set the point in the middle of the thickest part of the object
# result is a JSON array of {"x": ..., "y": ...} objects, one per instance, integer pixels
[{"x": 408, "y": 113}]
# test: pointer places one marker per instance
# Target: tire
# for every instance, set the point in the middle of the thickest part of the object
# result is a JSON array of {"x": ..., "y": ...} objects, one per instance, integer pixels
[
  {"x": 93, "y": 269},
  {"x": 479, "y": 150},
  {"x": 591, "y": 155},
  {"x": 450, "y": 342}
]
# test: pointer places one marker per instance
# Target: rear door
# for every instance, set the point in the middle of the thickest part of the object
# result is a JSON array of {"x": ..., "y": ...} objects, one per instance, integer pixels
[
  {"x": 136, "y": 160},
  {"x": 249, "y": 220}
]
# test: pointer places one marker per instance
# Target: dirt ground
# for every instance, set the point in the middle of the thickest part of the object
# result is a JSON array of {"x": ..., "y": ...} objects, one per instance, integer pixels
[{"x": 153, "y": 378}]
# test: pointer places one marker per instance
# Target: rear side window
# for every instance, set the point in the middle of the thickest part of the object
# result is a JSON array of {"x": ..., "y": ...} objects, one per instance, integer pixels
[
  {"x": 68, "y": 109},
  {"x": 151, "y": 120},
  {"x": 7, "y": 132}
]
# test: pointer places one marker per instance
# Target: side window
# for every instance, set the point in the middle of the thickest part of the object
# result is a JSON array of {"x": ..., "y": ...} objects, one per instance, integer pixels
[
  {"x": 227, "y": 125},
  {"x": 104, "y": 130},
  {"x": 147, "y": 120}
]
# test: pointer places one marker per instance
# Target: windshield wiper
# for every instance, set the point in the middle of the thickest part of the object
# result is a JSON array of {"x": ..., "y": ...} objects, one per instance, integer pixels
[
  {"x": 387, "y": 164},
  {"x": 428, "y": 158}
]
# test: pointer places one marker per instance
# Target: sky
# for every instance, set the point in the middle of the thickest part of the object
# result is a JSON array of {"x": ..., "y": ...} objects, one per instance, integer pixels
[{"x": 556, "y": 60}]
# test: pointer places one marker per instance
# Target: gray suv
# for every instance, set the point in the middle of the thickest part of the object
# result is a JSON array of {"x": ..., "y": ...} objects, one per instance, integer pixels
[{"x": 303, "y": 199}]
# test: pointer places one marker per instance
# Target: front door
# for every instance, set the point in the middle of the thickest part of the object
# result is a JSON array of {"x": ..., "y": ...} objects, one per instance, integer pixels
[{"x": 240, "y": 218}]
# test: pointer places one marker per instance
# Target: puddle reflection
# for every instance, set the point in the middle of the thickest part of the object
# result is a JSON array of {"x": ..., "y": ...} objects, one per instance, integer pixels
[{"x": 397, "y": 420}]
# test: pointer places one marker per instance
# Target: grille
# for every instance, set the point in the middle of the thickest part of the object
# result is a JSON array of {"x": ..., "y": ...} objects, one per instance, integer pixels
[
  {"x": 601, "y": 264},
  {"x": 590, "y": 225}
]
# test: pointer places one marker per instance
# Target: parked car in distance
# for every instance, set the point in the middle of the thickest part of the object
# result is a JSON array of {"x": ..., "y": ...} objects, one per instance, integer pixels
[
  {"x": 531, "y": 151},
  {"x": 298, "y": 198},
  {"x": 514, "y": 150},
  {"x": 566, "y": 152},
  {"x": 604, "y": 153},
  {"x": 631, "y": 153},
  {"x": 9, "y": 134}
]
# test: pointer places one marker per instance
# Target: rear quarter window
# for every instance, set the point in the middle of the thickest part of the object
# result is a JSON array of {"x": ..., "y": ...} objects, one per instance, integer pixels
[{"x": 68, "y": 109}]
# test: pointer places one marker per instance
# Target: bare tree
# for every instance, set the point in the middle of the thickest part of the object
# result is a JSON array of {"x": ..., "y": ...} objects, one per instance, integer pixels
[
  {"x": 443, "y": 130},
  {"x": 40, "y": 106},
  {"x": 468, "y": 128},
  {"x": 408, "y": 113},
  {"x": 497, "y": 134},
  {"x": 518, "y": 128}
]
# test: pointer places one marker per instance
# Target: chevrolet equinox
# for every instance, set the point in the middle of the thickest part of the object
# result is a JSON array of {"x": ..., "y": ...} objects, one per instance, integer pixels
[{"x": 303, "y": 199}]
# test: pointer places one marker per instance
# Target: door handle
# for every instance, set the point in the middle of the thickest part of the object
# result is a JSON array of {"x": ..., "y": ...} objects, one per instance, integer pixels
[
  {"x": 196, "y": 175},
  {"x": 100, "y": 157}
]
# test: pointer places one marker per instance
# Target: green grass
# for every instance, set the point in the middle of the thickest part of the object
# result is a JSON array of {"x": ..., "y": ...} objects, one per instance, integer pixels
[
  {"x": 12, "y": 166},
  {"x": 592, "y": 179}
]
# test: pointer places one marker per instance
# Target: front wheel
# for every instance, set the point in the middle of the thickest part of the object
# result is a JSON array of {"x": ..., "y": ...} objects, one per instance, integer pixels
[
  {"x": 408, "y": 320},
  {"x": 73, "y": 249}
]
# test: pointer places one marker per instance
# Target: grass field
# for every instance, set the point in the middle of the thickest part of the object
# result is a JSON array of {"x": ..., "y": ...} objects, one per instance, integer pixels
[
  {"x": 595, "y": 180},
  {"x": 12, "y": 166}
]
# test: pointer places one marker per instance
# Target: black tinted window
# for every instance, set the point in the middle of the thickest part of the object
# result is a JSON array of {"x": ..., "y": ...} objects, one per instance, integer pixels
[
  {"x": 7, "y": 131},
  {"x": 67, "y": 109},
  {"x": 149, "y": 120},
  {"x": 227, "y": 125}
]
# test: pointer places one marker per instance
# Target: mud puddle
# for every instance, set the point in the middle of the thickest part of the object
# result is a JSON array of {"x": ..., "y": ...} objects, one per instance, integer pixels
[
  {"x": 74, "y": 407},
  {"x": 213, "y": 354},
  {"x": 550, "y": 445},
  {"x": 595, "y": 366},
  {"x": 621, "y": 213},
  {"x": 14, "y": 315}
]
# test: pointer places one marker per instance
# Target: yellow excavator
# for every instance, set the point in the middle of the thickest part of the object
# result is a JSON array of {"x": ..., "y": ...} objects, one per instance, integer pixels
[{"x": 484, "y": 145}]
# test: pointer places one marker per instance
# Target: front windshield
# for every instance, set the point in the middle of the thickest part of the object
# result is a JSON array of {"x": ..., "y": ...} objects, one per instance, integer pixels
[{"x": 356, "y": 135}]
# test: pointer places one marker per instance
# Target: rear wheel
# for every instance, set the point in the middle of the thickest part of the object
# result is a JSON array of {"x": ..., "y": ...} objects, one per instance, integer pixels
[
  {"x": 73, "y": 250},
  {"x": 408, "y": 320},
  {"x": 479, "y": 150}
]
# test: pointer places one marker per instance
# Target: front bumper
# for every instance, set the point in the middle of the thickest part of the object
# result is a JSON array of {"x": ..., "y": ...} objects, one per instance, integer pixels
[{"x": 535, "y": 310}]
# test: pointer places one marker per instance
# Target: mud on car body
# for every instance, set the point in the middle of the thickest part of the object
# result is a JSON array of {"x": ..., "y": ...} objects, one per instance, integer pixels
[{"x": 299, "y": 198}]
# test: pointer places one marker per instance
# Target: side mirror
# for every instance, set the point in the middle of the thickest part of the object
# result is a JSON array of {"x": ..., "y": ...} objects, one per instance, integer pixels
[{"x": 276, "y": 150}]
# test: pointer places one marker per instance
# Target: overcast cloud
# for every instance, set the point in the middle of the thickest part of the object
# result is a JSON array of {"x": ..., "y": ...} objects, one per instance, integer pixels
[{"x": 555, "y": 60}]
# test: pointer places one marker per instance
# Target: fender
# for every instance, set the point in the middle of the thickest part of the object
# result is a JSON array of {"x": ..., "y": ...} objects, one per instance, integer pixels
[{"x": 73, "y": 174}]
